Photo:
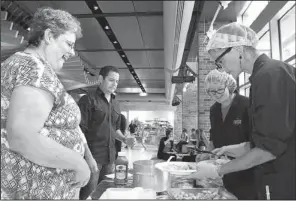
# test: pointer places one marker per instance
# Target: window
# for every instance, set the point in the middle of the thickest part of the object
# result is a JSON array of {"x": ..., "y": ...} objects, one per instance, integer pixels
[
  {"x": 264, "y": 44},
  {"x": 292, "y": 62},
  {"x": 254, "y": 8},
  {"x": 287, "y": 35},
  {"x": 244, "y": 84}
]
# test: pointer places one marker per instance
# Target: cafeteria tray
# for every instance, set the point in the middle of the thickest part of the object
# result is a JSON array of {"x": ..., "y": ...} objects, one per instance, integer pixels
[{"x": 200, "y": 194}]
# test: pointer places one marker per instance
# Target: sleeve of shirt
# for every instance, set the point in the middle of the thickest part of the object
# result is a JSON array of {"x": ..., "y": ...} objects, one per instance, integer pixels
[
  {"x": 85, "y": 109},
  {"x": 272, "y": 114},
  {"x": 35, "y": 74},
  {"x": 246, "y": 121},
  {"x": 118, "y": 123}
]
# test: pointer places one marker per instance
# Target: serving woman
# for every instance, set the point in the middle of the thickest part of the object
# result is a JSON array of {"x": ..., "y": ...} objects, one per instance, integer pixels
[
  {"x": 271, "y": 149},
  {"x": 229, "y": 125},
  {"x": 42, "y": 146}
]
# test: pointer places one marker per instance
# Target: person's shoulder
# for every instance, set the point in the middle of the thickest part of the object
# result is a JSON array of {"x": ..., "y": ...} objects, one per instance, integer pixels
[
  {"x": 214, "y": 107},
  {"x": 24, "y": 60},
  {"x": 273, "y": 69},
  {"x": 86, "y": 98},
  {"x": 242, "y": 99}
]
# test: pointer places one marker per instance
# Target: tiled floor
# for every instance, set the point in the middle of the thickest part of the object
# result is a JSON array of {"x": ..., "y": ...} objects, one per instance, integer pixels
[{"x": 139, "y": 153}]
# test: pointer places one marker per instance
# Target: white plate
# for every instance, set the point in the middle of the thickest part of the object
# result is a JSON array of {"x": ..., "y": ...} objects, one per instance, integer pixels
[{"x": 165, "y": 166}]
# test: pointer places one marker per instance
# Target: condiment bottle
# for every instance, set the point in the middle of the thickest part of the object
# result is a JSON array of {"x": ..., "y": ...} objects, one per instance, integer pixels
[{"x": 121, "y": 169}]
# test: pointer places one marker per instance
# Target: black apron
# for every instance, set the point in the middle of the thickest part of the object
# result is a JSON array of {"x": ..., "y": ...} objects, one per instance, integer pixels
[{"x": 234, "y": 130}]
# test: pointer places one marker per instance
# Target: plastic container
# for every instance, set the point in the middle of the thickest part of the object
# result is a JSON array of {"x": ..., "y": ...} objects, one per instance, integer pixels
[{"x": 121, "y": 169}]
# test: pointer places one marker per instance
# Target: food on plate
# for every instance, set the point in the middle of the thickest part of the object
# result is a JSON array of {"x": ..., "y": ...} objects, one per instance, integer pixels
[{"x": 176, "y": 167}]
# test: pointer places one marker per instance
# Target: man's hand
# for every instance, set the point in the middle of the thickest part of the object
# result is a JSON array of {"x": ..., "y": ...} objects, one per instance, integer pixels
[
  {"x": 235, "y": 150},
  {"x": 202, "y": 157},
  {"x": 130, "y": 141}
]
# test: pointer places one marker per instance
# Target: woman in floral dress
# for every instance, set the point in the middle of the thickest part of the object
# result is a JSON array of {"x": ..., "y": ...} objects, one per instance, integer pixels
[{"x": 44, "y": 154}]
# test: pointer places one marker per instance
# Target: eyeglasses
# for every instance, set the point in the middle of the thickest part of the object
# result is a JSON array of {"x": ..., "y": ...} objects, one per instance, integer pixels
[
  {"x": 219, "y": 66},
  {"x": 214, "y": 92}
]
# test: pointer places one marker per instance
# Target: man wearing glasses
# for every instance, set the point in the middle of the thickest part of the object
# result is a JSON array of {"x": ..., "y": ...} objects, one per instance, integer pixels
[{"x": 271, "y": 149}]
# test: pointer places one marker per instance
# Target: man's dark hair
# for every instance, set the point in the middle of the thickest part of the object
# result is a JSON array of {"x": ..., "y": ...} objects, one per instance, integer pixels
[
  {"x": 192, "y": 129},
  {"x": 184, "y": 130},
  {"x": 107, "y": 69}
]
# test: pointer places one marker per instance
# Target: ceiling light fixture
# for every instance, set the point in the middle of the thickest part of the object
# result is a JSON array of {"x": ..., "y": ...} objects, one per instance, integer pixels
[
  {"x": 29, "y": 29},
  {"x": 95, "y": 9},
  {"x": 143, "y": 94}
]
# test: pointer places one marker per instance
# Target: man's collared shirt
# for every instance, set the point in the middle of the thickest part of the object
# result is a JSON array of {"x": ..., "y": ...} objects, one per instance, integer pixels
[
  {"x": 100, "y": 120},
  {"x": 272, "y": 98}
]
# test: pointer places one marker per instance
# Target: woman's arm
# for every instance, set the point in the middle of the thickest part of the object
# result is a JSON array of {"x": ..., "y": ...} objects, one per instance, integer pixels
[{"x": 29, "y": 108}]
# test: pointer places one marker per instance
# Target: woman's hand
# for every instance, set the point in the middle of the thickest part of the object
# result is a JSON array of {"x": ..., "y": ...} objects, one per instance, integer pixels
[{"x": 81, "y": 175}]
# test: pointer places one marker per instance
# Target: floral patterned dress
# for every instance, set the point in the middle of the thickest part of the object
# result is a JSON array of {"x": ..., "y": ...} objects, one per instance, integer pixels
[{"x": 21, "y": 178}]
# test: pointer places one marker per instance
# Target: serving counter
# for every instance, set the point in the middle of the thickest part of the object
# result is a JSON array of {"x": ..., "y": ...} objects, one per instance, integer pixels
[{"x": 179, "y": 189}]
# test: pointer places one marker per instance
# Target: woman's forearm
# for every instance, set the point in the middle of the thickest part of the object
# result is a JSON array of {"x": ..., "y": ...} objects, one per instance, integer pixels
[
  {"x": 87, "y": 153},
  {"x": 46, "y": 152}
]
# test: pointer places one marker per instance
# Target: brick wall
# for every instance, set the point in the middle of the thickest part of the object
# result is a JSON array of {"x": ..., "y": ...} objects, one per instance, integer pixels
[
  {"x": 196, "y": 103},
  {"x": 178, "y": 121}
]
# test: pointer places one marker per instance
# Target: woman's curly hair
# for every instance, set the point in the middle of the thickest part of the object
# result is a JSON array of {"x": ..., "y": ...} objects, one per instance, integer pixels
[{"x": 58, "y": 21}]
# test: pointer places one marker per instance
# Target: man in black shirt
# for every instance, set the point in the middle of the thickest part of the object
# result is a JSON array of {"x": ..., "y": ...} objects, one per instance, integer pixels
[
  {"x": 271, "y": 149},
  {"x": 100, "y": 123}
]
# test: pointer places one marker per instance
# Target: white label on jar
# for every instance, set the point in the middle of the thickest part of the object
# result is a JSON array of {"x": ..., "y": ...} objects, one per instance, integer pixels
[{"x": 120, "y": 171}]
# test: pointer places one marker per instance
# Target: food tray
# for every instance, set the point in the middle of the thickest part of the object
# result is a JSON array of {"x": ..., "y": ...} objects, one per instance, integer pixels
[{"x": 200, "y": 194}]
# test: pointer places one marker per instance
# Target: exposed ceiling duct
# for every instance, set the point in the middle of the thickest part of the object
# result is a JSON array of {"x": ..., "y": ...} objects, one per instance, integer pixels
[
  {"x": 177, "y": 42},
  {"x": 177, "y": 16}
]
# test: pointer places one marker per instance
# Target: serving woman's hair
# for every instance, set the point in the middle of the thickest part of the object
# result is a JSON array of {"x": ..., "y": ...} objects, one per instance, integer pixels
[{"x": 44, "y": 154}]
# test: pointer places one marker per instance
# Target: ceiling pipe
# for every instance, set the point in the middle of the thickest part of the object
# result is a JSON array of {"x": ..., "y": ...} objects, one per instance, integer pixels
[{"x": 211, "y": 31}]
